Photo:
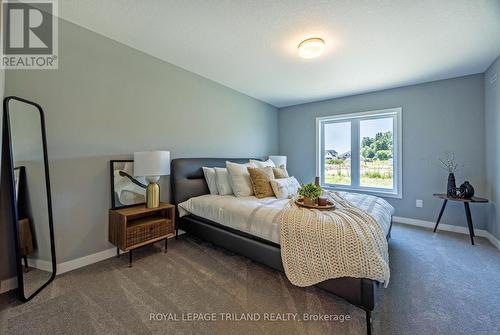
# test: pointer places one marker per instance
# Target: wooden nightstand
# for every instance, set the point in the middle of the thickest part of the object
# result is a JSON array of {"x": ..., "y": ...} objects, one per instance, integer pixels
[{"x": 134, "y": 227}]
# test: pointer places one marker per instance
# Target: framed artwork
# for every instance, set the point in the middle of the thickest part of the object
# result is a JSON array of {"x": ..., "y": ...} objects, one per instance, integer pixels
[{"x": 126, "y": 190}]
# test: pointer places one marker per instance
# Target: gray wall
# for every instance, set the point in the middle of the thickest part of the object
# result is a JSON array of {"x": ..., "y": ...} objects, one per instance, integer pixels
[
  {"x": 7, "y": 264},
  {"x": 27, "y": 151},
  {"x": 492, "y": 114},
  {"x": 2, "y": 83},
  {"x": 437, "y": 116},
  {"x": 107, "y": 101}
]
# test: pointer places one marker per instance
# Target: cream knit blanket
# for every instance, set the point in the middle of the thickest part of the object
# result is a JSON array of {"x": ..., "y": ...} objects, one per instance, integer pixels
[{"x": 319, "y": 245}]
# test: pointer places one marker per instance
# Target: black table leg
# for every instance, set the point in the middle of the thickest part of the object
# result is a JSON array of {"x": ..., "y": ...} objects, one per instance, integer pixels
[
  {"x": 469, "y": 222},
  {"x": 117, "y": 252},
  {"x": 130, "y": 259},
  {"x": 166, "y": 245},
  {"x": 440, "y": 214},
  {"x": 368, "y": 322}
]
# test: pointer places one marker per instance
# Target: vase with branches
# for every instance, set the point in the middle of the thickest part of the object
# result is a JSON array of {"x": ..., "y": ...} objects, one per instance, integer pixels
[{"x": 449, "y": 163}]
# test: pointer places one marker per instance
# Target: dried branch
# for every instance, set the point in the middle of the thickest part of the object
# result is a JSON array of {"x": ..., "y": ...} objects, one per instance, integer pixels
[{"x": 448, "y": 162}]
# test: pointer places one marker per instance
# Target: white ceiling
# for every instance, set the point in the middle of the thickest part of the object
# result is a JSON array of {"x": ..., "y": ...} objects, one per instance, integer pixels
[{"x": 251, "y": 45}]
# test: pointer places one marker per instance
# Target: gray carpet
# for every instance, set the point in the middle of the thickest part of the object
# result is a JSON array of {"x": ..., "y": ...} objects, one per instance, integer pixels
[
  {"x": 440, "y": 284},
  {"x": 33, "y": 279}
]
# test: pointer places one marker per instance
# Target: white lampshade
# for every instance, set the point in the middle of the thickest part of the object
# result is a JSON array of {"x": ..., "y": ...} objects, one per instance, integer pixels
[
  {"x": 278, "y": 160},
  {"x": 151, "y": 163}
]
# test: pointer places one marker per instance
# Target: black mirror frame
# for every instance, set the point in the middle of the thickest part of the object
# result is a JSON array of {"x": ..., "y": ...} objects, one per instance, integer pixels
[{"x": 8, "y": 163}]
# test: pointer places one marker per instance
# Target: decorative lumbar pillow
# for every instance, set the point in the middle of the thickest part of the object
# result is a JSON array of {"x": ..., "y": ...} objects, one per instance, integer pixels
[
  {"x": 260, "y": 178},
  {"x": 261, "y": 164},
  {"x": 240, "y": 178},
  {"x": 280, "y": 172},
  {"x": 285, "y": 188},
  {"x": 222, "y": 180},
  {"x": 211, "y": 179}
]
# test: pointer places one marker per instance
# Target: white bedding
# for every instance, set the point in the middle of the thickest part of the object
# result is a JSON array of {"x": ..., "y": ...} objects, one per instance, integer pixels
[{"x": 259, "y": 217}]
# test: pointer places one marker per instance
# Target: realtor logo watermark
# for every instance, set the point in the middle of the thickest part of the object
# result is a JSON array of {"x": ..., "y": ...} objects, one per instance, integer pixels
[{"x": 29, "y": 35}]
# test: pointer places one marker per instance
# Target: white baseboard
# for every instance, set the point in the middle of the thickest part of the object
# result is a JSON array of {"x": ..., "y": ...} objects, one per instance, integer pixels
[
  {"x": 89, "y": 259},
  {"x": 85, "y": 260},
  {"x": 7, "y": 285},
  {"x": 447, "y": 227},
  {"x": 489, "y": 236},
  {"x": 11, "y": 283},
  {"x": 40, "y": 264}
]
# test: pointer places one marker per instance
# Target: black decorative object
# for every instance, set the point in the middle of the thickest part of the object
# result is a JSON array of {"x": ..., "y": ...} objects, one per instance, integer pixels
[
  {"x": 450, "y": 164},
  {"x": 466, "y": 190},
  {"x": 452, "y": 186}
]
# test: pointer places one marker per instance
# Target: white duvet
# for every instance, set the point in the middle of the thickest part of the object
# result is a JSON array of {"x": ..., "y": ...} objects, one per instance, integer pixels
[{"x": 259, "y": 217}]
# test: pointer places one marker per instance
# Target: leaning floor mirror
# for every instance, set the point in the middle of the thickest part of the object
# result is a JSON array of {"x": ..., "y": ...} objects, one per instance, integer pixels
[{"x": 24, "y": 158}]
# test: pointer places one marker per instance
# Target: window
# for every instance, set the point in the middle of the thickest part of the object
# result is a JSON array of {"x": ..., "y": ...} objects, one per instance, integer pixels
[{"x": 361, "y": 152}]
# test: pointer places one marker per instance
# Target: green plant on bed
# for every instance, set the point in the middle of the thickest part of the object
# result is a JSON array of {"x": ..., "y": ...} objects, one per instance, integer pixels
[{"x": 310, "y": 191}]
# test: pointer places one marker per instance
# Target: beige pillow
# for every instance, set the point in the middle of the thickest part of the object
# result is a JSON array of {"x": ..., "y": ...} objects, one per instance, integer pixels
[
  {"x": 280, "y": 172},
  {"x": 260, "y": 178}
]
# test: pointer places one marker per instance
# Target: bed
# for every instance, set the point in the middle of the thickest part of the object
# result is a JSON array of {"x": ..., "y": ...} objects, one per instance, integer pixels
[{"x": 231, "y": 223}]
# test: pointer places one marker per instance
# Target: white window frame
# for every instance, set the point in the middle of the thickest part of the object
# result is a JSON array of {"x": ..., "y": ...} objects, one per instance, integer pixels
[{"x": 355, "y": 118}]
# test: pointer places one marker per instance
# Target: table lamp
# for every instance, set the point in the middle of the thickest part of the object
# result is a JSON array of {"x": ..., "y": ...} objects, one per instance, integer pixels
[
  {"x": 278, "y": 160},
  {"x": 152, "y": 165}
]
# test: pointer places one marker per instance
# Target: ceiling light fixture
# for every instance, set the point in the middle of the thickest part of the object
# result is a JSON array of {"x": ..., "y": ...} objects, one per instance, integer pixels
[{"x": 311, "y": 48}]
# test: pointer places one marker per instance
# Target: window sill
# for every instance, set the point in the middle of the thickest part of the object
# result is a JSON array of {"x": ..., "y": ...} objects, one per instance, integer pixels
[{"x": 375, "y": 192}]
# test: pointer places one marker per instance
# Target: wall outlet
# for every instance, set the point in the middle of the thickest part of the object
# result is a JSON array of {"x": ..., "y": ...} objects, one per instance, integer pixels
[
  {"x": 493, "y": 79},
  {"x": 420, "y": 203}
]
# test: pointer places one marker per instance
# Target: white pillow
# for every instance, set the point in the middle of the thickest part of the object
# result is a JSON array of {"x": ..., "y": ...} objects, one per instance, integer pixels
[
  {"x": 261, "y": 164},
  {"x": 211, "y": 179},
  {"x": 222, "y": 180},
  {"x": 285, "y": 188},
  {"x": 240, "y": 178}
]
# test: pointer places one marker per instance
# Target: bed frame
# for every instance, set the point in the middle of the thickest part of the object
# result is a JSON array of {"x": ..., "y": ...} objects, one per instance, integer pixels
[{"x": 187, "y": 181}]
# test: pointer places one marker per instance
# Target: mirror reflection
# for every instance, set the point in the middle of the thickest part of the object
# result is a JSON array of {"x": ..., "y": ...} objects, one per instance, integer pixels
[{"x": 30, "y": 195}]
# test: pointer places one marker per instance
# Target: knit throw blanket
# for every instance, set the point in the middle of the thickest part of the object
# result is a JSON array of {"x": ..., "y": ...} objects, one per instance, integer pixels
[{"x": 344, "y": 242}]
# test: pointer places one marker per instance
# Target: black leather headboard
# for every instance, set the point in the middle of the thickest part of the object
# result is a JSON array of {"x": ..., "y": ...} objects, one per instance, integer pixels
[{"x": 187, "y": 179}]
